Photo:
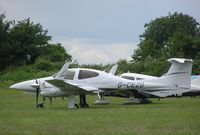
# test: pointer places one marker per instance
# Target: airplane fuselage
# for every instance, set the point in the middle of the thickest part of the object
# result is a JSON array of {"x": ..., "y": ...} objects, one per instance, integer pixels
[{"x": 94, "y": 81}]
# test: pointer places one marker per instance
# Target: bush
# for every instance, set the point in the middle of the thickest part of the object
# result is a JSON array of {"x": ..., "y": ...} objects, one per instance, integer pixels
[
  {"x": 54, "y": 53},
  {"x": 43, "y": 64}
]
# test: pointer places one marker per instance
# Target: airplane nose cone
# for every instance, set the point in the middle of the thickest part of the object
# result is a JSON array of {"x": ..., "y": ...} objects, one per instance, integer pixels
[
  {"x": 26, "y": 85},
  {"x": 14, "y": 86}
]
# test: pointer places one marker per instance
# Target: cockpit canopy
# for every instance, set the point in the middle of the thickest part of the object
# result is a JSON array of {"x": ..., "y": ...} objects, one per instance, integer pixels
[
  {"x": 82, "y": 74},
  {"x": 128, "y": 77},
  {"x": 131, "y": 78},
  {"x": 70, "y": 74}
]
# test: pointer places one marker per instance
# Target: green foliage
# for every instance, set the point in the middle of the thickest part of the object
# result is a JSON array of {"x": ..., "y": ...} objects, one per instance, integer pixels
[
  {"x": 54, "y": 53},
  {"x": 149, "y": 66},
  {"x": 43, "y": 64},
  {"x": 22, "y": 42},
  {"x": 196, "y": 67},
  {"x": 176, "y": 35},
  {"x": 123, "y": 66},
  {"x": 4, "y": 41},
  {"x": 30, "y": 71},
  {"x": 156, "y": 67}
]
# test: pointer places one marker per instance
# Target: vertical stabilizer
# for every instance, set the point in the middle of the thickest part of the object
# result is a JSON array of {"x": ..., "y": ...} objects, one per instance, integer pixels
[
  {"x": 179, "y": 73},
  {"x": 177, "y": 80}
]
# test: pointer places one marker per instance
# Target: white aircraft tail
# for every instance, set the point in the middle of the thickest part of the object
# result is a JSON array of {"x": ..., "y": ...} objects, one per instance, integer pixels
[
  {"x": 177, "y": 80},
  {"x": 179, "y": 74}
]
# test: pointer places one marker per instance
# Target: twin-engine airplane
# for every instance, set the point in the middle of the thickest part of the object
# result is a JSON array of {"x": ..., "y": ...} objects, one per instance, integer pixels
[
  {"x": 195, "y": 84},
  {"x": 80, "y": 81}
]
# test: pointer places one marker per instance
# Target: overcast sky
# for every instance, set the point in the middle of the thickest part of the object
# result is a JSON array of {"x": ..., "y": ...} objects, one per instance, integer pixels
[{"x": 96, "y": 31}]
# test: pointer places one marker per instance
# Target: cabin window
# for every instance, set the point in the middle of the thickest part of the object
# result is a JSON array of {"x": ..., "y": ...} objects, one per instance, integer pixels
[
  {"x": 84, "y": 74},
  {"x": 128, "y": 77},
  {"x": 70, "y": 74},
  {"x": 139, "y": 78}
]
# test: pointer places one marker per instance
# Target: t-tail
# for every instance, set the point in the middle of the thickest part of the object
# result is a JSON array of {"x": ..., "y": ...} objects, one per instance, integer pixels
[
  {"x": 176, "y": 81},
  {"x": 179, "y": 73}
]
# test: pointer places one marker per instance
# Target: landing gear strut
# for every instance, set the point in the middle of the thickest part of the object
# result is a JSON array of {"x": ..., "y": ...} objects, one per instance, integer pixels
[
  {"x": 40, "y": 105},
  {"x": 133, "y": 100},
  {"x": 82, "y": 101},
  {"x": 101, "y": 100},
  {"x": 72, "y": 102}
]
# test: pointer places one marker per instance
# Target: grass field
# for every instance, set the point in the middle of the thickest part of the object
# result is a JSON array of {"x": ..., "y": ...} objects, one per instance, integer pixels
[{"x": 18, "y": 116}]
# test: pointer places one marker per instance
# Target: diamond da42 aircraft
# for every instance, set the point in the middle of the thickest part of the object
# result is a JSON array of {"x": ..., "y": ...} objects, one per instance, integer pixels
[
  {"x": 194, "y": 91},
  {"x": 80, "y": 81}
]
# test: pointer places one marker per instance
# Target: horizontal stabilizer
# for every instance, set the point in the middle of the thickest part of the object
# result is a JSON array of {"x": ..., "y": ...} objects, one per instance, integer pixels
[{"x": 179, "y": 60}]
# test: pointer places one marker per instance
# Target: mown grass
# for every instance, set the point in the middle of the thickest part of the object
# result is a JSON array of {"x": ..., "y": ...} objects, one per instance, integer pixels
[{"x": 18, "y": 115}]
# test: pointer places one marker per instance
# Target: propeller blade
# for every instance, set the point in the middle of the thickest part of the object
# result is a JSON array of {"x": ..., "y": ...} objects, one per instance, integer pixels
[
  {"x": 50, "y": 98},
  {"x": 37, "y": 94}
]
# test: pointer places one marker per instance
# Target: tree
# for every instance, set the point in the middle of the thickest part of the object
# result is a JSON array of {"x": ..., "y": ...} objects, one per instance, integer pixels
[
  {"x": 176, "y": 35},
  {"x": 20, "y": 42},
  {"x": 4, "y": 41},
  {"x": 162, "y": 36},
  {"x": 24, "y": 41},
  {"x": 27, "y": 38},
  {"x": 54, "y": 53}
]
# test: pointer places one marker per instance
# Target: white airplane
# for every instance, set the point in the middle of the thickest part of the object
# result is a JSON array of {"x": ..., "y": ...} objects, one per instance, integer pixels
[
  {"x": 80, "y": 81},
  {"x": 195, "y": 83}
]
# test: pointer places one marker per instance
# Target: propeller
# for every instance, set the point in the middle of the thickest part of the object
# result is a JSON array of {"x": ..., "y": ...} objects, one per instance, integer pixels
[
  {"x": 37, "y": 93},
  {"x": 50, "y": 99},
  {"x": 41, "y": 105}
]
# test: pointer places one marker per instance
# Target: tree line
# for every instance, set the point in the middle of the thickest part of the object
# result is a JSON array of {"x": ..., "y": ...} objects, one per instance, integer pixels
[
  {"x": 23, "y": 42},
  {"x": 175, "y": 35}
]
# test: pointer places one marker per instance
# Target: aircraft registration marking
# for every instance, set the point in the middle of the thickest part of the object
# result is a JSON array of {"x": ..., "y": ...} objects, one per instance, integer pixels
[{"x": 133, "y": 85}]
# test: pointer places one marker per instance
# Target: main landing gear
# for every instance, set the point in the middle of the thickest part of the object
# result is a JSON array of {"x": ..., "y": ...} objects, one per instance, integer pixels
[
  {"x": 82, "y": 102},
  {"x": 40, "y": 105},
  {"x": 133, "y": 100},
  {"x": 101, "y": 100}
]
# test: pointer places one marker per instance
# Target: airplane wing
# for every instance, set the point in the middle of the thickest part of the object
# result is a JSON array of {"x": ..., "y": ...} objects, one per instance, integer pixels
[
  {"x": 128, "y": 93},
  {"x": 72, "y": 87}
]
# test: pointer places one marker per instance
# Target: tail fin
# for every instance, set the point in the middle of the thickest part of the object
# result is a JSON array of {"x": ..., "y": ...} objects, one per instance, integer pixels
[
  {"x": 179, "y": 74},
  {"x": 177, "y": 80}
]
